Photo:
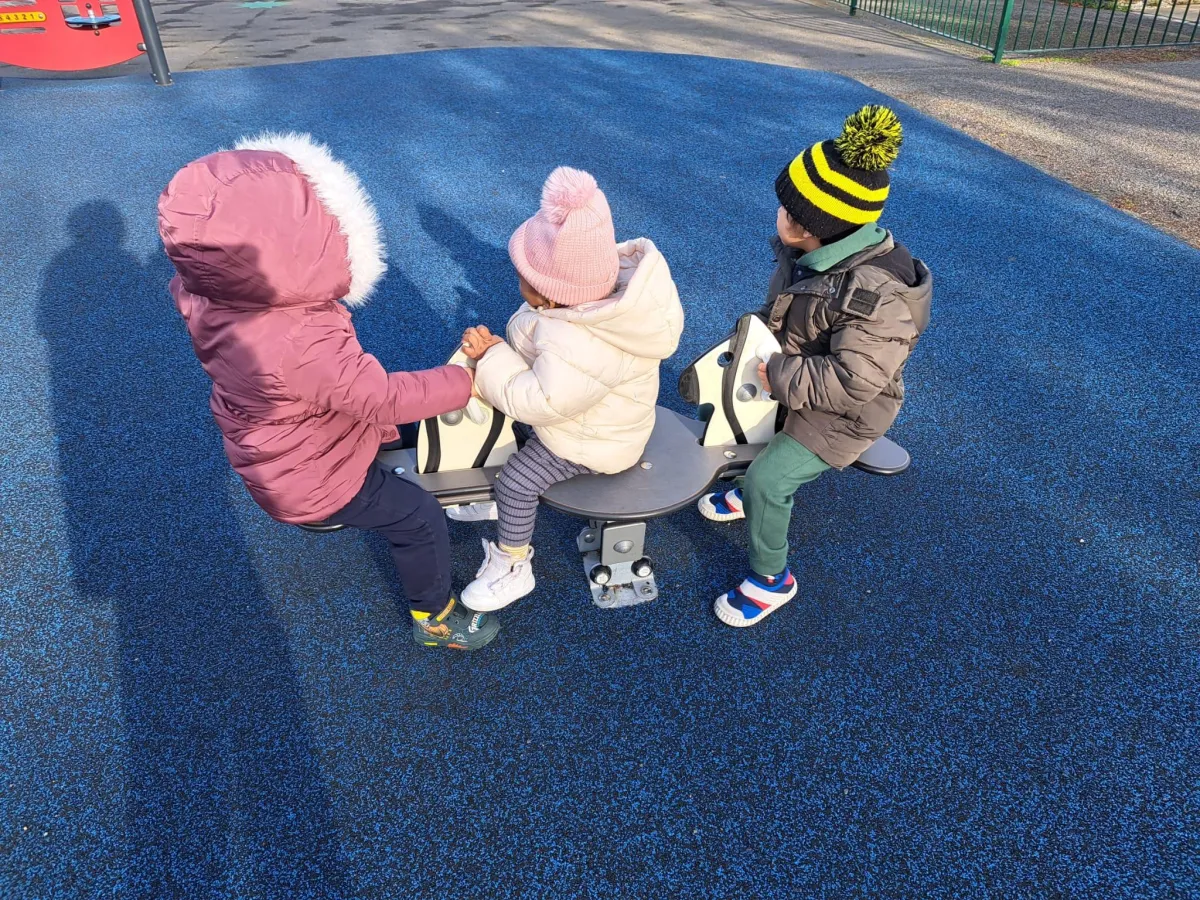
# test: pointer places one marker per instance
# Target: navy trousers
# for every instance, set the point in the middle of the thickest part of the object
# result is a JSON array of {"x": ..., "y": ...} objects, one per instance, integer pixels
[{"x": 412, "y": 522}]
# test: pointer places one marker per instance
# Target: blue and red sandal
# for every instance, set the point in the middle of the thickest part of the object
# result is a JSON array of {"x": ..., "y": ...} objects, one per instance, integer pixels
[
  {"x": 755, "y": 599},
  {"x": 723, "y": 506}
]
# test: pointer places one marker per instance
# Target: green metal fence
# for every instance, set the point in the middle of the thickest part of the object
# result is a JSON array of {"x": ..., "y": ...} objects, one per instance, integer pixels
[{"x": 1005, "y": 27}]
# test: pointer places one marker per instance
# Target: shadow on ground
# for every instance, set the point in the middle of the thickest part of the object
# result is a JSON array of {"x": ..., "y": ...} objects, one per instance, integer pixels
[{"x": 218, "y": 756}]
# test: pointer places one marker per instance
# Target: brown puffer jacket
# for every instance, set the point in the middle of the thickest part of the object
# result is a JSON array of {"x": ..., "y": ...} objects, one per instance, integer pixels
[{"x": 846, "y": 334}]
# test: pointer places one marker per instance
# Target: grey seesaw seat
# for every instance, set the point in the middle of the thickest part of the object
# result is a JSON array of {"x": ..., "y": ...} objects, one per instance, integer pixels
[
  {"x": 675, "y": 470},
  {"x": 683, "y": 459}
]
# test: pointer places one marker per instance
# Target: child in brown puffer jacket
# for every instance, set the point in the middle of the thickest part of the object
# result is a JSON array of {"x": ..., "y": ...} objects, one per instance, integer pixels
[{"x": 847, "y": 303}]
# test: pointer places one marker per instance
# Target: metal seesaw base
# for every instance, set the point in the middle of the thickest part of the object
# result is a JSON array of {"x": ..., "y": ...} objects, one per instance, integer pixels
[
  {"x": 674, "y": 470},
  {"x": 615, "y": 563}
]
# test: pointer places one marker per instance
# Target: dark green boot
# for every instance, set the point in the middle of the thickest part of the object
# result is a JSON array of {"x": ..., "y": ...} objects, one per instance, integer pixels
[{"x": 455, "y": 628}]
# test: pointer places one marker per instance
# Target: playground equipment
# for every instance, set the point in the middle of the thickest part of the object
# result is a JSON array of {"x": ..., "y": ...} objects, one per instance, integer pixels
[
  {"x": 79, "y": 35},
  {"x": 459, "y": 455}
]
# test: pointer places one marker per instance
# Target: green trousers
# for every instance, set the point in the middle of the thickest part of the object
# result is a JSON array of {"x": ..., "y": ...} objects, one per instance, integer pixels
[{"x": 767, "y": 490}]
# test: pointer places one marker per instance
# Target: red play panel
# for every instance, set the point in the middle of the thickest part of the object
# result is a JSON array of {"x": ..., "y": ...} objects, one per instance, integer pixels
[{"x": 68, "y": 36}]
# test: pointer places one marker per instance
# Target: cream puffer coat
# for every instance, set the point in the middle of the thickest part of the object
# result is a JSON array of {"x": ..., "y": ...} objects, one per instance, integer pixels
[{"x": 586, "y": 377}]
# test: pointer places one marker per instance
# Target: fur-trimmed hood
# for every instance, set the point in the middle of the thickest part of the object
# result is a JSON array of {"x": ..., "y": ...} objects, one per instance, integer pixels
[{"x": 277, "y": 221}]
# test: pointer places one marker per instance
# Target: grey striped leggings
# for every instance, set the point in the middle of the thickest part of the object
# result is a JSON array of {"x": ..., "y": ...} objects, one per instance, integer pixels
[{"x": 523, "y": 479}]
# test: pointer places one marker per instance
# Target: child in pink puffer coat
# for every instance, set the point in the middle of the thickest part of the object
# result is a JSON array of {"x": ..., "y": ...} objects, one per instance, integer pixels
[{"x": 272, "y": 242}]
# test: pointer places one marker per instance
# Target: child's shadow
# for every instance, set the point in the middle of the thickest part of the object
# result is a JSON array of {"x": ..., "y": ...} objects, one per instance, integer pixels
[
  {"x": 491, "y": 294},
  {"x": 222, "y": 779}
]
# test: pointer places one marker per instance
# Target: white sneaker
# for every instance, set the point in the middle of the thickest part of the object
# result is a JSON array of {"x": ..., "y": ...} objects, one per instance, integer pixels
[
  {"x": 473, "y": 512},
  {"x": 499, "y": 581}
]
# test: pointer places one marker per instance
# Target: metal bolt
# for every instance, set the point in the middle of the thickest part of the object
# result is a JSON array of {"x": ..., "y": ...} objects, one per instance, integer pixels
[
  {"x": 399, "y": 470},
  {"x": 647, "y": 465},
  {"x": 589, "y": 537},
  {"x": 729, "y": 454},
  {"x": 623, "y": 546}
]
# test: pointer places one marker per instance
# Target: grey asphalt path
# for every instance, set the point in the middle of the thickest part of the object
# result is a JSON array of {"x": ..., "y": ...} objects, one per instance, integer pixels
[
  {"x": 206, "y": 34},
  {"x": 1128, "y": 132}
]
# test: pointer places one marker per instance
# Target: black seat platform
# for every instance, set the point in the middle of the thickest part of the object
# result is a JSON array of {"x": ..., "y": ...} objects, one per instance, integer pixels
[{"x": 674, "y": 472}]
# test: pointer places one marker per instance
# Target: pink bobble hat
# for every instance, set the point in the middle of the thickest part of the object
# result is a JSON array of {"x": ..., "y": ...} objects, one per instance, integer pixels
[{"x": 568, "y": 249}]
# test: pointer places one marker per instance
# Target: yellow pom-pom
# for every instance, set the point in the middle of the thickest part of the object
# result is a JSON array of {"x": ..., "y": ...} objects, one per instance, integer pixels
[{"x": 870, "y": 139}]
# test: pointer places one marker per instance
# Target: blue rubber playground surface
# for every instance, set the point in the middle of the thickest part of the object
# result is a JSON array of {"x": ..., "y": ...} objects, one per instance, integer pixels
[{"x": 988, "y": 687}]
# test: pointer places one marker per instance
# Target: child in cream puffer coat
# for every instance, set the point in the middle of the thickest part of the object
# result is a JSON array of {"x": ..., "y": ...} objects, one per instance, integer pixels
[{"x": 580, "y": 366}]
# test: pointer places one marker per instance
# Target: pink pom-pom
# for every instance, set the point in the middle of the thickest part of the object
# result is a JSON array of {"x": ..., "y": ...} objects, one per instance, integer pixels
[{"x": 565, "y": 191}]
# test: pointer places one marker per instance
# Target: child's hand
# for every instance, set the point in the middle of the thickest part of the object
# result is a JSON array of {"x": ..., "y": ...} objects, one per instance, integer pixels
[
  {"x": 478, "y": 340},
  {"x": 762, "y": 376}
]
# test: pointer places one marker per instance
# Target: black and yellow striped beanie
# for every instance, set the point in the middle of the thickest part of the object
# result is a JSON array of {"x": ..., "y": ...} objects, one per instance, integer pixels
[{"x": 836, "y": 187}]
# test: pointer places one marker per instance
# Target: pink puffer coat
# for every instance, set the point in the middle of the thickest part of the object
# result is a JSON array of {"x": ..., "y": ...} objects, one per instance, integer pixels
[{"x": 267, "y": 239}]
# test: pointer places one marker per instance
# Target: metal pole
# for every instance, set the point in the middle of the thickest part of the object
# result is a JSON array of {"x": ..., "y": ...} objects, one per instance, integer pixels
[
  {"x": 153, "y": 43},
  {"x": 1002, "y": 37},
  {"x": 853, "y": 6}
]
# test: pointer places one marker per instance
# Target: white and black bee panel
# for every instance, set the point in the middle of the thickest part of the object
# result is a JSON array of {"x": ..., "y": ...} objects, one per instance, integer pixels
[
  {"x": 470, "y": 438},
  {"x": 723, "y": 383}
]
